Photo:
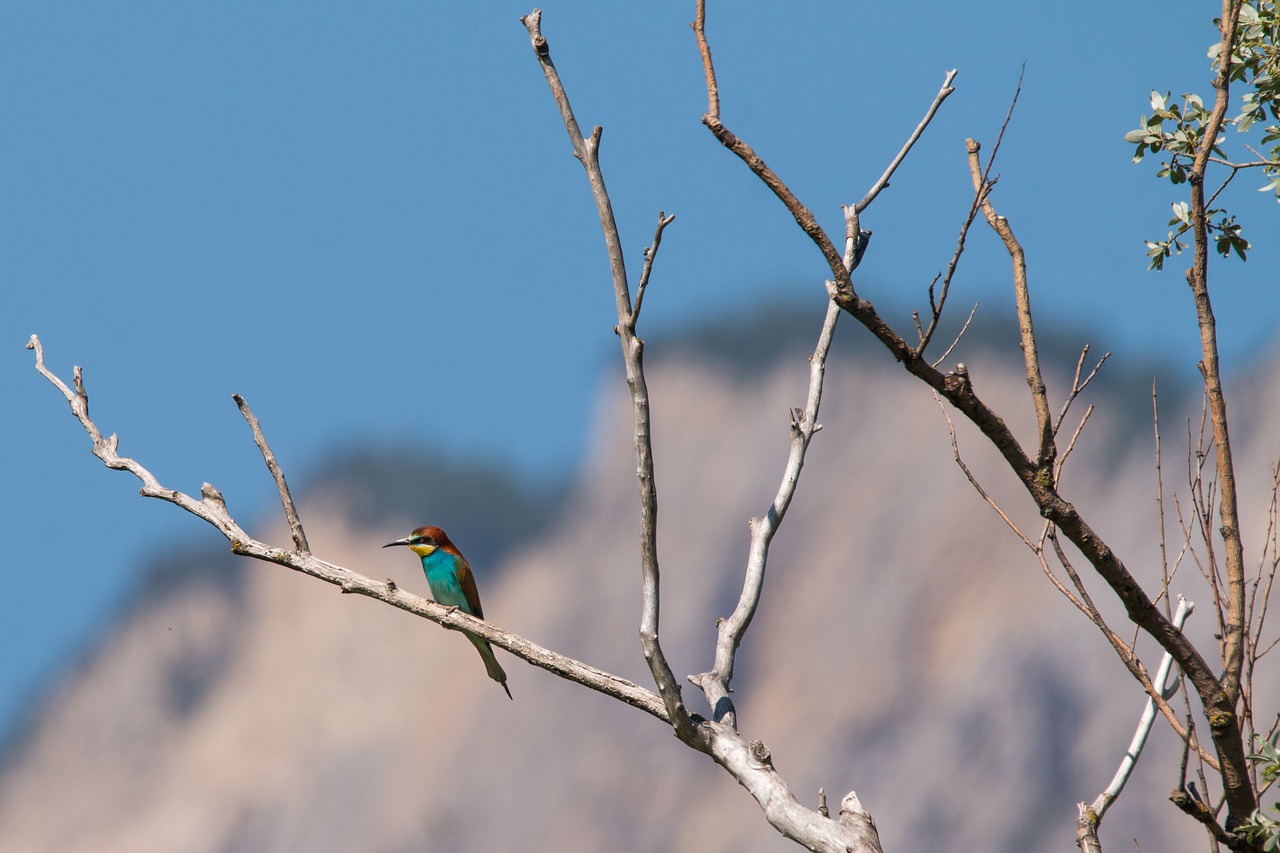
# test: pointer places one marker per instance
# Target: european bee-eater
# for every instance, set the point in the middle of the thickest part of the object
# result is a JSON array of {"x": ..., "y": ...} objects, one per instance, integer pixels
[{"x": 452, "y": 584}]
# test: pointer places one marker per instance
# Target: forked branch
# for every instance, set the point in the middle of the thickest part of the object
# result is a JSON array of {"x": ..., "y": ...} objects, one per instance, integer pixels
[
  {"x": 1022, "y": 299},
  {"x": 715, "y": 684},
  {"x": 588, "y": 153},
  {"x": 212, "y": 508},
  {"x": 748, "y": 762},
  {"x": 1036, "y": 473}
]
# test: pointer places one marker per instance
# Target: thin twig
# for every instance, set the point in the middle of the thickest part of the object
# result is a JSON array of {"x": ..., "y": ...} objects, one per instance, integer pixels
[
  {"x": 1077, "y": 387},
  {"x": 649, "y": 254},
  {"x": 935, "y": 307},
  {"x": 883, "y": 181},
  {"x": 960, "y": 334},
  {"x": 1008, "y": 116},
  {"x": 286, "y": 500},
  {"x": 1062, "y": 460}
]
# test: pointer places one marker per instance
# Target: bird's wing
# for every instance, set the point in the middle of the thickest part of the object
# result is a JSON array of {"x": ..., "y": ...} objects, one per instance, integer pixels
[{"x": 468, "y": 583}]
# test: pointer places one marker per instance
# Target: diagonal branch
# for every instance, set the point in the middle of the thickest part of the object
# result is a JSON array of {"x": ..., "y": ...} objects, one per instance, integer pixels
[
  {"x": 1104, "y": 800},
  {"x": 1080, "y": 599},
  {"x": 212, "y": 509},
  {"x": 803, "y": 216},
  {"x": 883, "y": 181},
  {"x": 1036, "y": 475},
  {"x": 925, "y": 336},
  {"x": 1022, "y": 298},
  {"x": 804, "y": 423},
  {"x": 1090, "y": 816},
  {"x": 649, "y": 255},
  {"x": 588, "y": 153},
  {"x": 290, "y": 511}
]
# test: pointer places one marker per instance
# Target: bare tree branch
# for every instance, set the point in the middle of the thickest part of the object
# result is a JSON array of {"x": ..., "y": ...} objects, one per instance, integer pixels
[
  {"x": 212, "y": 509},
  {"x": 1022, "y": 298},
  {"x": 1080, "y": 599},
  {"x": 1104, "y": 800},
  {"x": 1036, "y": 474},
  {"x": 588, "y": 153},
  {"x": 290, "y": 511},
  {"x": 936, "y": 306},
  {"x": 649, "y": 255},
  {"x": 956, "y": 340},
  {"x": 1077, "y": 386},
  {"x": 883, "y": 181},
  {"x": 748, "y": 763},
  {"x": 715, "y": 684}
]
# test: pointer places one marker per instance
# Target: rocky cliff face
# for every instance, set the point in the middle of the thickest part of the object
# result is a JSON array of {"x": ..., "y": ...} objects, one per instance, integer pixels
[{"x": 908, "y": 647}]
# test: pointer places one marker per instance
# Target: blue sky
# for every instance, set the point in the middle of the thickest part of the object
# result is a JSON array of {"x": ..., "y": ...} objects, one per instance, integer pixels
[{"x": 365, "y": 218}]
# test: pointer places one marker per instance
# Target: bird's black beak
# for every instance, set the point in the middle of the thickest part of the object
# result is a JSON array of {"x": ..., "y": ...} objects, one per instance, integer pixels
[{"x": 404, "y": 541}]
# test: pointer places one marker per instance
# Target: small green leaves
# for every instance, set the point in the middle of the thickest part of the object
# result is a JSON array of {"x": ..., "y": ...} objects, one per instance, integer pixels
[
  {"x": 1229, "y": 239},
  {"x": 1177, "y": 130},
  {"x": 1157, "y": 252},
  {"x": 1224, "y": 230},
  {"x": 1268, "y": 754},
  {"x": 1260, "y": 826},
  {"x": 1180, "y": 140}
]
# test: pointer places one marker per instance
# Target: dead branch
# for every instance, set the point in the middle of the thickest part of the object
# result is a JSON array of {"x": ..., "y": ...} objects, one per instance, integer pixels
[
  {"x": 587, "y": 150},
  {"x": 748, "y": 763},
  {"x": 804, "y": 423},
  {"x": 1036, "y": 474},
  {"x": 286, "y": 500},
  {"x": 1022, "y": 299},
  {"x": 1125, "y": 770},
  {"x": 212, "y": 508}
]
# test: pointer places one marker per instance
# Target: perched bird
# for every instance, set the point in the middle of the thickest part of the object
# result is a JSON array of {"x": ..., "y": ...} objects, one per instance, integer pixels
[
  {"x": 864, "y": 240},
  {"x": 452, "y": 584}
]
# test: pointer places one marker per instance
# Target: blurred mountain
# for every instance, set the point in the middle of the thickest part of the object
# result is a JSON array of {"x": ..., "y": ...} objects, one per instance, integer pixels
[{"x": 907, "y": 645}]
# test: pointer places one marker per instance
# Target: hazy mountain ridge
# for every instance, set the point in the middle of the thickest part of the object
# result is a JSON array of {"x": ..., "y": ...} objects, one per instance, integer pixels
[{"x": 287, "y": 716}]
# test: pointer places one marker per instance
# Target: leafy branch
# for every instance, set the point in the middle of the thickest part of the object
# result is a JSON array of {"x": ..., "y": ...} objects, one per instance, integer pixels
[{"x": 1180, "y": 130}]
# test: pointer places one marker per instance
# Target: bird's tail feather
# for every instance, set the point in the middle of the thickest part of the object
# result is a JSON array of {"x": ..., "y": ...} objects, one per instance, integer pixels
[{"x": 491, "y": 664}]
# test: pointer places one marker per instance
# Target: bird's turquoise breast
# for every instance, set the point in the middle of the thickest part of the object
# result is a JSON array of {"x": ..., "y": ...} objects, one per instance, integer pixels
[{"x": 443, "y": 580}]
